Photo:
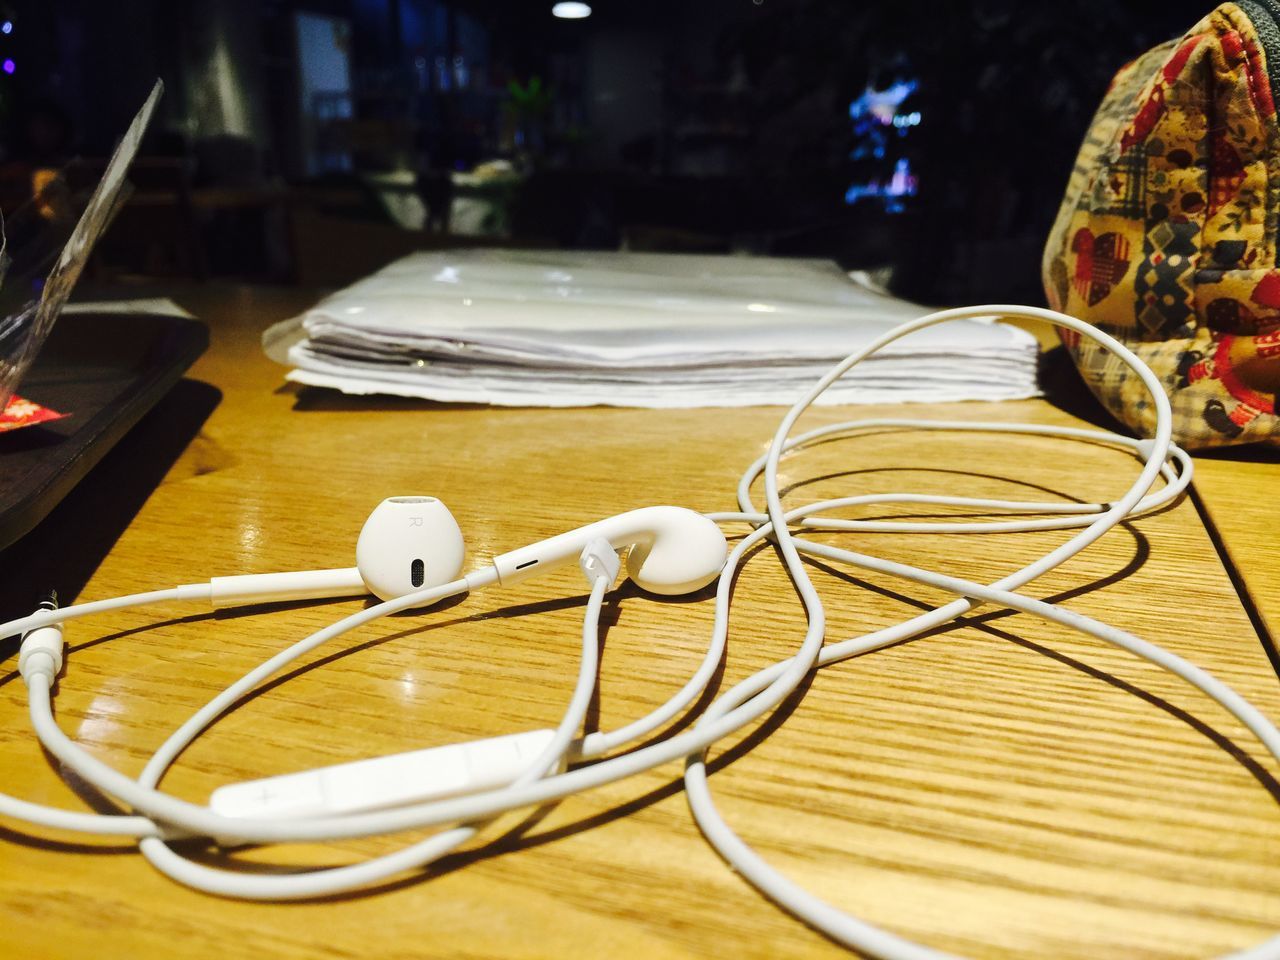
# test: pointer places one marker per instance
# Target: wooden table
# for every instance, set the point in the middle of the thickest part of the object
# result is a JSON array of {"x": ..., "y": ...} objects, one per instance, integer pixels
[
  {"x": 1237, "y": 488},
  {"x": 1001, "y": 788}
]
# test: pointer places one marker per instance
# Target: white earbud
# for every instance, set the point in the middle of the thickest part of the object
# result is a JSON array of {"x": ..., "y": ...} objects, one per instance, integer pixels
[
  {"x": 672, "y": 550},
  {"x": 409, "y": 543}
]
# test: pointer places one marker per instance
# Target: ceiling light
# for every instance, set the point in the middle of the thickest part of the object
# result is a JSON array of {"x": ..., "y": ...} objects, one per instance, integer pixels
[{"x": 571, "y": 11}]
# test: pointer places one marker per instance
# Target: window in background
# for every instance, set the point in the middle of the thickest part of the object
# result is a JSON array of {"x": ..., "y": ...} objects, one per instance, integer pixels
[{"x": 324, "y": 86}]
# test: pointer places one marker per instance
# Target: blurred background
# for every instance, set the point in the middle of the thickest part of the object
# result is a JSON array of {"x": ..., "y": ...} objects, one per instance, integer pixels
[{"x": 312, "y": 141}]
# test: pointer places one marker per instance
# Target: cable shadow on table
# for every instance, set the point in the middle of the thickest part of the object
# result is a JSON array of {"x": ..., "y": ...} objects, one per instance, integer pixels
[
  {"x": 982, "y": 623},
  {"x": 1142, "y": 547},
  {"x": 1066, "y": 498}
]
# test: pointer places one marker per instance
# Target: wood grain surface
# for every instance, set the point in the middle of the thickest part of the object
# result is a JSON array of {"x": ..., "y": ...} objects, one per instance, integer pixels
[
  {"x": 1001, "y": 788},
  {"x": 1238, "y": 487}
]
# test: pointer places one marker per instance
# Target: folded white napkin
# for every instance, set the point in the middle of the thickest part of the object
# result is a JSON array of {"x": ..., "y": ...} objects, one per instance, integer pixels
[{"x": 559, "y": 328}]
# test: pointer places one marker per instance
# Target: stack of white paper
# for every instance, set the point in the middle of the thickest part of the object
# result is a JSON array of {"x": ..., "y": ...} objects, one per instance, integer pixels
[{"x": 557, "y": 328}]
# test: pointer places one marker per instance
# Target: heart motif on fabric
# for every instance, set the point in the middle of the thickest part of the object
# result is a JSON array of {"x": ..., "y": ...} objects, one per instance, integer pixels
[
  {"x": 1226, "y": 173},
  {"x": 1100, "y": 263}
]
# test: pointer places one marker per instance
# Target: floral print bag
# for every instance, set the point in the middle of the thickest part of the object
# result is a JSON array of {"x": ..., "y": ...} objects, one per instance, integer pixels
[{"x": 1167, "y": 236}]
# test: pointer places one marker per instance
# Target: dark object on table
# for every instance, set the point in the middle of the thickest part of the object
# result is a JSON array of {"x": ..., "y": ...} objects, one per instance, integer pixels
[{"x": 105, "y": 370}]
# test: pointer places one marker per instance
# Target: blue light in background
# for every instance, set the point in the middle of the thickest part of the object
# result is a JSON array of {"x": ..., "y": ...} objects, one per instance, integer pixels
[
  {"x": 881, "y": 105},
  {"x": 901, "y": 184},
  {"x": 6, "y": 27},
  {"x": 8, "y": 66},
  {"x": 879, "y": 124}
]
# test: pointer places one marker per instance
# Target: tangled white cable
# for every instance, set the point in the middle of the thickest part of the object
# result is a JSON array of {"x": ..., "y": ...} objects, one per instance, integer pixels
[{"x": 159, "y": 818}]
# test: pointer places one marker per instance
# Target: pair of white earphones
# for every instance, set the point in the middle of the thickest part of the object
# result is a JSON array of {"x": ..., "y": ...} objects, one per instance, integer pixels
[{"x": 409, "y": 555}]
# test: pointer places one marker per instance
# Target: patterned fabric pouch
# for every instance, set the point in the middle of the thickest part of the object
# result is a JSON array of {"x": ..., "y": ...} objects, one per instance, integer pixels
[{"x": 1167, "y": 236}]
